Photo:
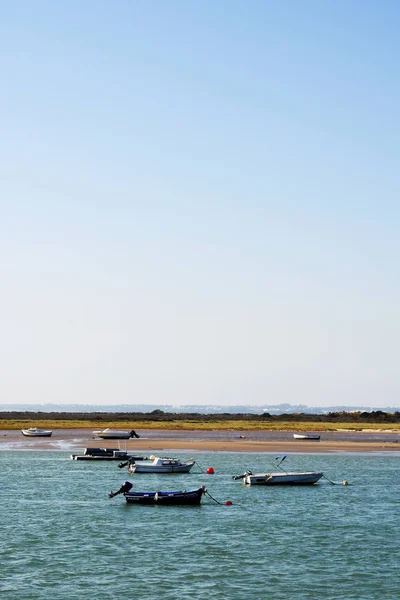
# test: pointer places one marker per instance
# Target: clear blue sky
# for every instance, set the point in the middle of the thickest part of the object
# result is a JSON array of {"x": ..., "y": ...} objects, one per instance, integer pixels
[{"x": 199, "y": 202}]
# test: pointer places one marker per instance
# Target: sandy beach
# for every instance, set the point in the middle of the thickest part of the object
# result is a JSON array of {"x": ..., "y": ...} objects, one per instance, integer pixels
[{"x": 162, "y": 441}]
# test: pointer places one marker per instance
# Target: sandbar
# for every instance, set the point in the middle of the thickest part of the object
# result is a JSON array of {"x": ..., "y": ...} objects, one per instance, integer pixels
[{"x": 162, "y": 441}]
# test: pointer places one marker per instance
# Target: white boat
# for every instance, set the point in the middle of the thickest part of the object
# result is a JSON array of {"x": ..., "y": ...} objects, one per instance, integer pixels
[
  {"x": 160, "y": 464},
  {"x": 36, "y": 432},
  {"x": 306, "y": 436},
  {"x": 281, "y": 478},
  {"x": 115, "y": 434}
]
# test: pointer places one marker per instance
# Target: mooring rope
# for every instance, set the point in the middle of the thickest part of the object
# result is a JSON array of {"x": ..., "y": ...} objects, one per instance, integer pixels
[
  {"x": 209, "y": 495},
  {"x": 196, "y": 463},
  {"x": 333, "y": 482}
]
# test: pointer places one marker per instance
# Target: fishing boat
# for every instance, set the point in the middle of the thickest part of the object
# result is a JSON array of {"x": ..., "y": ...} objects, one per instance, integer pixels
[
  {"x": 296, "y": 478},
  {"x": 281, "y": 477},
  {"x": 306, "y": 436},
  {"x": 115, "y": 434},
  {"x": 160, "y": 464},
  {"x": 106, "y": 454},
  {"x": 184, "y": 497},
  {"x": 36, "y": 432}
]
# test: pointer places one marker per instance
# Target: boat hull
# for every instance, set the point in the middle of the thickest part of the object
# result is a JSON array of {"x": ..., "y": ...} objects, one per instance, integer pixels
[
  {"x": 105, "y": 454},
  {"x": 112, "y": 437},
  {"x": 192, "y": 497},
  {"x": 160, "y": 469},
  {"x": 311, "y": 437},
  {"x": 161, "y": 464},
  {"x": 36, "y": 433},
  {"x": 114, "y": 434},
  {"x": 282, "y": 478}
]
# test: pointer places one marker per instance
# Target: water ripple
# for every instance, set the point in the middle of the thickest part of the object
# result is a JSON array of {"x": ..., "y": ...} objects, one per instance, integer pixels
[{"x": 66, "y": 540}]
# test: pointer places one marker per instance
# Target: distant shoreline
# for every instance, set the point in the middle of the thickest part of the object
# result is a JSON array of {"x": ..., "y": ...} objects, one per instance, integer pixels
[
  {"x": 186, "y": 423},
  {"x": 168, "y": 441}
]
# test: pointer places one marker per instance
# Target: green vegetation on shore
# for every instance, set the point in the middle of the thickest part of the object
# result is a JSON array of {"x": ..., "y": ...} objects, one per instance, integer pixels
[{"x": 158, "y": 419}]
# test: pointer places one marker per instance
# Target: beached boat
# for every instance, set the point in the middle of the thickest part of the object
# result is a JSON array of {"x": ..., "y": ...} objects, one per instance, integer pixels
[
  {"x": 36, "y": 432},
  {"x": 106, "y": 454},
  {"x": 184, "y": 497},
  {"x": 160, "y": 465},
  {"x": 296, "y": 478},
  {"x": 281, "y": 477},
  {"x": 306, "y": 436},
  {"x": 115, "y": 434}
]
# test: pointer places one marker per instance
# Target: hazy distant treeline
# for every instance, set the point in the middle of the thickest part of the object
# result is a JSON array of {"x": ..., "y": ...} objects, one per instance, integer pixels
[{"x": 375, "y": 416}]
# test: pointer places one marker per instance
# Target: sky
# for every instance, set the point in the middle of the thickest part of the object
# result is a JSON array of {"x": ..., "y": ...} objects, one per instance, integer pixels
[{"x": 199, "y": 202}]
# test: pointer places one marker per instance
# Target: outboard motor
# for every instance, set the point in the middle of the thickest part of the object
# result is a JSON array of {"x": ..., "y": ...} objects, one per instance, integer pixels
[
  {"x": 236, "y": 477},
  {"x": 134, "y": 434},
  {"x": 124, "y": 488}
]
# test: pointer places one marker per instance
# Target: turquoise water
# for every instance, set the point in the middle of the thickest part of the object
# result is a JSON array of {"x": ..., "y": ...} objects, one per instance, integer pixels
[{"x": 63, "y": 538}]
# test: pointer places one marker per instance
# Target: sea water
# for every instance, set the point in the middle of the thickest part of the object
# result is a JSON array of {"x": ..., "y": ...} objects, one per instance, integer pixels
[{"x": 63, "y": 538}]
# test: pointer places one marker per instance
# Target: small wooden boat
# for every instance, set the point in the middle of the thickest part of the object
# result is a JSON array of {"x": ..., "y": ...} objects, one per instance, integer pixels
[
  {"x": 106, "y": 454},
  {"x": 184, "y": 497},
  {"x": 115, "y": 434},
  {"x": 36, "y": 432},
  {"x": 306, "y": 436},
  {"x": 160, "y": 465},
  {"x": 296, "y": 478}
]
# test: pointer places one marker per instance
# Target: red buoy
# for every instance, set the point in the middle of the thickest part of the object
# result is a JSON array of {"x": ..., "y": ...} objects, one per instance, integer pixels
[
  {"x": 210, "y": 471},
  {"x": 228, "y": 503}
]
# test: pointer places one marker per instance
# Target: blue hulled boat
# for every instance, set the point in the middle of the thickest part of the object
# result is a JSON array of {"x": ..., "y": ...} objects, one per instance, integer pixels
[{"x": 184, "y": 497}]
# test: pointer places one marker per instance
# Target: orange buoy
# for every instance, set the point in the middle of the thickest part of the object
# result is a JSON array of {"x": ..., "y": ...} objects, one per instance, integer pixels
[{"x": 210, "y": 471}]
